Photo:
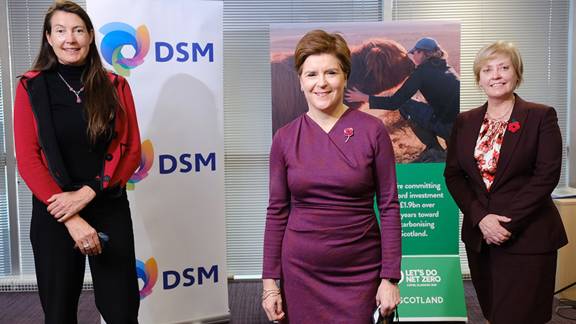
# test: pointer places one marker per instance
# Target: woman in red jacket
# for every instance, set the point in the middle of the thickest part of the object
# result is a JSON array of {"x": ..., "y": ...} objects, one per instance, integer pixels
[{"x": 77, "y": 144}]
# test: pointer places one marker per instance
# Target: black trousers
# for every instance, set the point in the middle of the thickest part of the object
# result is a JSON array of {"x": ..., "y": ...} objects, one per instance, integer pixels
[
  {"x": 423, "y": 116},
  {"x": 60, "y": 267}
]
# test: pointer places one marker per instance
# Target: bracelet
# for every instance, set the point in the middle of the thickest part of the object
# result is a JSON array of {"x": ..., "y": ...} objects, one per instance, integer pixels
[
  {"x": 271, "y": 292},
  {"x": 273, "y": 289}
]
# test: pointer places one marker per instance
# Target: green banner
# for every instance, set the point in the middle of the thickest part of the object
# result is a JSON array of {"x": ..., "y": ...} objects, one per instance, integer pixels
[
  {"x": 431, "y": 287},
  {"x": 429, "y": 214}
]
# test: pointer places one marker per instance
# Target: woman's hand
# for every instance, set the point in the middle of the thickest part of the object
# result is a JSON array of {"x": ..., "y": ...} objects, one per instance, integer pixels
[
  {"x": 387, "y": 297},
  {"x": 67, "y": 204},
  {"x": 84, "y": 235},
  {"x": 493, "y": 232},
  {"x": 355, "y": 95},
  {"x": 272, "y": 300}
]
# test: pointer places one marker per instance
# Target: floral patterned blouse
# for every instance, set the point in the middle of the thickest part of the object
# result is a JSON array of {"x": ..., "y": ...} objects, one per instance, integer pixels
[{"x": 487, "y": 149}]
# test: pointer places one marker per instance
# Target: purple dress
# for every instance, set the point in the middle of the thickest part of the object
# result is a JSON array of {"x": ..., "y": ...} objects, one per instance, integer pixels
[{"x": 322, "y": 238}]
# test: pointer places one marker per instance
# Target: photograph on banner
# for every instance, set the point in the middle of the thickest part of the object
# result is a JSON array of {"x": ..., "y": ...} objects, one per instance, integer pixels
[{"x": 404, "y": 73}]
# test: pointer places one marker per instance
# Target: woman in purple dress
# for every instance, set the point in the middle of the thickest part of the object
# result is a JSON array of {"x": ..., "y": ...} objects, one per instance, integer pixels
[{"x": 322, "y": 240}]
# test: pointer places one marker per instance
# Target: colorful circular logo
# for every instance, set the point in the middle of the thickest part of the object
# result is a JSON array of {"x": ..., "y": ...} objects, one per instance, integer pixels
[
  {"x": 146, "y": 161},
  {"x": 148, "y": 272},
  {"x": 116, "y": 36}
]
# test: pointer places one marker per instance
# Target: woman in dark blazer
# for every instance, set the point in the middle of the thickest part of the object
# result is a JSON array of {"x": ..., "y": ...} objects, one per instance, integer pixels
[{"x": 503, "y": 162}]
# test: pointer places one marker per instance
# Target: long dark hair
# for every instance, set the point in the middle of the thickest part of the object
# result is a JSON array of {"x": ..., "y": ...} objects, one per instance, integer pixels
[{"x": 101, "y": 98}]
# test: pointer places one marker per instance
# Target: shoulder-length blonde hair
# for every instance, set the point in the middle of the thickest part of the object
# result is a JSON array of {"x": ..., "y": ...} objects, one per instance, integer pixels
[{"x": 490, "y": 51}]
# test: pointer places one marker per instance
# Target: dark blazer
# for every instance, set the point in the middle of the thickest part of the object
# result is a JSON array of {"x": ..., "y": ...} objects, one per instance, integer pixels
[{"x": 528, "y": 170}]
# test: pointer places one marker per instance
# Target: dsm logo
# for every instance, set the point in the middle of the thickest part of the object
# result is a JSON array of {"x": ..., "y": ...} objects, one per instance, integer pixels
[
  {"x": 116, "y": 36},
  {"x": 170, "y": 164},
  {"x": 146, "y": 162},
  {"x": 171, "y": 279},
  {"x": 148, "y": 272}
]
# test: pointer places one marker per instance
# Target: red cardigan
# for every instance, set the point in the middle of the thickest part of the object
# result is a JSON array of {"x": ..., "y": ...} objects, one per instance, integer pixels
[{"x": 39, "y": 169}]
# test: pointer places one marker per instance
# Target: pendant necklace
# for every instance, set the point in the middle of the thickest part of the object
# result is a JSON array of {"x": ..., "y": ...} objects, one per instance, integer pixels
[
  {"x": 500, "y": 118},
  {"x": 77, "y": 93}
]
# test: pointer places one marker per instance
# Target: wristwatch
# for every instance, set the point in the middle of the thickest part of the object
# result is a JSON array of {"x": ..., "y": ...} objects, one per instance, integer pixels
[{"x": 392, "y": 280}]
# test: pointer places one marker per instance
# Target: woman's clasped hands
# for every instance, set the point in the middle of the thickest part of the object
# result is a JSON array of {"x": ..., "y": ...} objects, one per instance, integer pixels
[
  {"x": 67, "y": 204},
  {"x": 492, "y": 230}
]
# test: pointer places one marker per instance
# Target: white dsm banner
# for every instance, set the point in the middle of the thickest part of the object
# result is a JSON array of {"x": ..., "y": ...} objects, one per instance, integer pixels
[{"x": 171, "y": 54}]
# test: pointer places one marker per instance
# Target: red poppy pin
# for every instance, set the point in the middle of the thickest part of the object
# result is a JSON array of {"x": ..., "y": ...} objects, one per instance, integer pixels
[
  {"x": 348, "y": 132},
  {"x": 513, "y": 126}
]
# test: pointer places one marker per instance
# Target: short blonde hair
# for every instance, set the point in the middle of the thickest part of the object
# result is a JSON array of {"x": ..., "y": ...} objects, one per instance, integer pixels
[{"x": 505, "y": 48}]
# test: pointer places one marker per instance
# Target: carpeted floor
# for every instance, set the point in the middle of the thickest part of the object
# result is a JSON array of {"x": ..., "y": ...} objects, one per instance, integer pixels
[{"x": 244, "y": 299}]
